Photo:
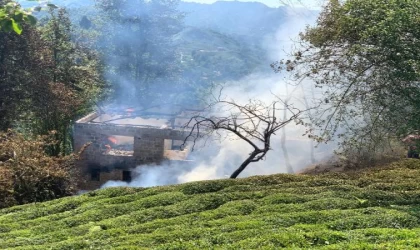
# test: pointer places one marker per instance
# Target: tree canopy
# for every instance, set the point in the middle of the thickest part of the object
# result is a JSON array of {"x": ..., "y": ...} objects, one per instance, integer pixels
[
  {"x": 365, "y": 56},
  {"x": 137, "y": 41},
  {"x": 46, "y": 79}
]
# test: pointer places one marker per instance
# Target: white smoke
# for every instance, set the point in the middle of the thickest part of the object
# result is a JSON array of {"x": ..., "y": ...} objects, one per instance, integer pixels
[
  {"x": 149, "y": 176},
  {"x": 219, "y": 159},
  {"x": 285, "y": 40},
  {"x": 233, "y": 152}
]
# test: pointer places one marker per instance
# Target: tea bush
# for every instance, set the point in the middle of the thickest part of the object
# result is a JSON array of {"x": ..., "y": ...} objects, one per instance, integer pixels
[{"x": 377, "y": 208}]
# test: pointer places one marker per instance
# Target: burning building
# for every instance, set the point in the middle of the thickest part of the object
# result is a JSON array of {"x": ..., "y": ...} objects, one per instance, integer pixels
[{"x": 116, "y": 141}]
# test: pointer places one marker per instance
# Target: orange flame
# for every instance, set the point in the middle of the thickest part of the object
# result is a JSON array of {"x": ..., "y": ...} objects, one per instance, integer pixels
[{"x": 113, "y": 139}]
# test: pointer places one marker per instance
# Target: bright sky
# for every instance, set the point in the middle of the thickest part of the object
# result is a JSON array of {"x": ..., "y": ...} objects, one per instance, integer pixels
[{"x": 312, "y": 4}]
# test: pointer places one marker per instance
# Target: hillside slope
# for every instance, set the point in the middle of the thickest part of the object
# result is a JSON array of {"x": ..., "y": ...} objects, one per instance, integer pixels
[
  {"x": 249, "y": 21},
  {"x": 375, "y": 209},
  {"x": 207, "y": 53}
]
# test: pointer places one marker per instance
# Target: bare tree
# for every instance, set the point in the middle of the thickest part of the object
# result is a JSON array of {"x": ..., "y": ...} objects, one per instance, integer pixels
[{"x": 254, "y": 122}]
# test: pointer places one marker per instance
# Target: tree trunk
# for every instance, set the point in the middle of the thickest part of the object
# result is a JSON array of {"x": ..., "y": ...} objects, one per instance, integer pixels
[
  {"x": 313, "y": 160},
  {"x": 244, "y": 165},
  {"x": 283, "y": 144}
]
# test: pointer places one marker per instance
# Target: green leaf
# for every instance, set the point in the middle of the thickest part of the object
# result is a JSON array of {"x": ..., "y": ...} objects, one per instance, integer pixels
[
  {"x": 16, "y": 27},
  {"x": 18, "y": 16},
  {"x": 31, "y": 19},
  {"x": 6, "y": 25},
  {"x": 53, "y": 6}
]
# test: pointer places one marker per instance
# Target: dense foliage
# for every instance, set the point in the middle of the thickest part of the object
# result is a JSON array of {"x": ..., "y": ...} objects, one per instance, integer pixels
[
  {"x": 28, "y": 174},
  {"x": 365, "y": 56},
  {"x": 75, "y": 79},
  {"x": 375, "y": 209},
  {"x": 46, "y": 80}
]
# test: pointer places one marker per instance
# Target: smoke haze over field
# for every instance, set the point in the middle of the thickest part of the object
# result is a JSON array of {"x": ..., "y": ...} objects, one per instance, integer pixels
[{"x": 219, "y": 159}]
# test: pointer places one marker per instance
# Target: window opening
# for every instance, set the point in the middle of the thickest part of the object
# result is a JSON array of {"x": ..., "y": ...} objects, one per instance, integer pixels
[
  {"x": 126, "y": 176},
  {"x": 118, "y": 145}
]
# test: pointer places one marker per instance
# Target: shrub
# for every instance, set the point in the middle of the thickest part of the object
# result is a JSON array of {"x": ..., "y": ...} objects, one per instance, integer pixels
[
  {"x": 371, "y": 209},
  {"x": 28, "y": 174},
  {"x": 204, "y": 186}
]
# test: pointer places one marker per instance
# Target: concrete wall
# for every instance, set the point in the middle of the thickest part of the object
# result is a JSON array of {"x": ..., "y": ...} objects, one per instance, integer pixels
[
  {"x": 149, "y": 146},
  {"x": 105, "y": 176},
  {"x": 148, "y": 149},
  {"x": 90, "y": 132}
]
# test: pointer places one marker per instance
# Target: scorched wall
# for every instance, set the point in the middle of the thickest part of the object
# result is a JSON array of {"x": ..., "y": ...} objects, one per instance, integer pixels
[{"x": 92, "y": 139}]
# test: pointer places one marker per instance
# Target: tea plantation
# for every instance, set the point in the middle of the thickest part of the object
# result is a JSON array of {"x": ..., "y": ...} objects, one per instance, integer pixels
[{"x": 370, "y": 209}]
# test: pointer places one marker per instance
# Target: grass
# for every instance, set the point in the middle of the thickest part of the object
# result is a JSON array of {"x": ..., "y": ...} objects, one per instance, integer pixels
[{"x": 371, "y": 209}]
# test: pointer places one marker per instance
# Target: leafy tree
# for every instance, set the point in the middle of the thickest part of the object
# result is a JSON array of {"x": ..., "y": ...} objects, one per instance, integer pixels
[
  {"x": 12, "y": 16},
  {"x": 47, "y": 80},
  {"x": 21, "y": 68},
  {"x": 74, "y": 81},
  {"x": 365, "y": 56},
  {"x": 138, "y": 47}
]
